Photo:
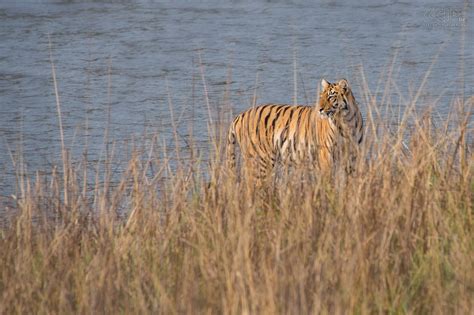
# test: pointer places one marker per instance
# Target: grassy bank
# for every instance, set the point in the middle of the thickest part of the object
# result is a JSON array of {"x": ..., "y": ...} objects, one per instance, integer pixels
[{"x": 396, "y": 237}]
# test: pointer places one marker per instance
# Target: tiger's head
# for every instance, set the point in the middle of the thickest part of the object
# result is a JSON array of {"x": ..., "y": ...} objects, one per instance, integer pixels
[{"x": 335, "y": 98}]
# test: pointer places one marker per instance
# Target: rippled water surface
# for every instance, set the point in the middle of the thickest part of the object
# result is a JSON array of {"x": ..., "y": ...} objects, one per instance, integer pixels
[{"x": 141, "y": 58}]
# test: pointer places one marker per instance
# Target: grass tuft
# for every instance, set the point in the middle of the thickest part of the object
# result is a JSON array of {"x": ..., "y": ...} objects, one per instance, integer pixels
[{"x": 394, "y": 237}]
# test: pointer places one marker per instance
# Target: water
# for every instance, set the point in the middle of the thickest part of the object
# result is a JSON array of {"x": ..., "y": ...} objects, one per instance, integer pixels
[{"x": 132, "y": 58}]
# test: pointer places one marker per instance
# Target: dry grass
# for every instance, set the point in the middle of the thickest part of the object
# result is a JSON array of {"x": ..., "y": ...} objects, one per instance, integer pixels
[{"x": 396, "y": 237}]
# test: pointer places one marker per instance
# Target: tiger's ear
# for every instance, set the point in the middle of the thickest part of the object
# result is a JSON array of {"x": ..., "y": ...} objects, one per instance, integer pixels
[
  {"x": 324, "y": 84},
  {"x": 343, "y": 83}
]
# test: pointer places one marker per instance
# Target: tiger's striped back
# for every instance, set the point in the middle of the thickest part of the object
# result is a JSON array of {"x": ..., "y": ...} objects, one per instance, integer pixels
[{"x": 272, "y": 132}]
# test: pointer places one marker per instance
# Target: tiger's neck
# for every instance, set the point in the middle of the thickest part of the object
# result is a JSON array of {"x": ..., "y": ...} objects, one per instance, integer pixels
[{"x": 349, "y": 123}]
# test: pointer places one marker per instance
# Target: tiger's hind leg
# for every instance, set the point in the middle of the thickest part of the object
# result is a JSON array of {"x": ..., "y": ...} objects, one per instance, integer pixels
[
  {"x": 265, "y": 170},
  {"x": 264, "y": 184},
  {"x": 257, "y": 170}
]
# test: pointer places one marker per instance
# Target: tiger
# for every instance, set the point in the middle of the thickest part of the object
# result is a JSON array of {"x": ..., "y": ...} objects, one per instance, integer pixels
[{"x": 319, "y": 134}]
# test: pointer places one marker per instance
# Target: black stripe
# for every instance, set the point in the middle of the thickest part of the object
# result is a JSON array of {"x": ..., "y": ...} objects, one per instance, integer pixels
[
  {"x": 280, "y": 111},
  {"x": 242, "y": 125},
  {"x": 297, "y": 127},
  {"x": 267, "y": 117},
  {"x": 257, "y": 122},
  {"x": 293, "y": 110},
  {"x": 275, "y": 108},
  {"x": 286, "y": 132},
  {"x": 265, "y": 121}
]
